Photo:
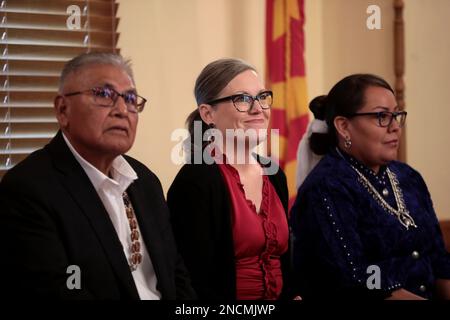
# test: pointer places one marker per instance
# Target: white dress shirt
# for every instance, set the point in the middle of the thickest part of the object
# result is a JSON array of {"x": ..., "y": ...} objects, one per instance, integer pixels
[{"x": 110, "y": 191}]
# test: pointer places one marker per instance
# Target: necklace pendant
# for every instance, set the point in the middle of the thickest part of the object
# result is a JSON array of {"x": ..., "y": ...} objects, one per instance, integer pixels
[
  {"x": 407, "y": 220},
  {"x": 401, "y": 212}
]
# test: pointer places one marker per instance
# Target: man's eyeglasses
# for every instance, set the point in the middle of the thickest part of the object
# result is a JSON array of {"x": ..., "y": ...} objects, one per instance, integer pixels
[
  {"x": 385, "y": 118},
  {"x": 244, "y": 102},
  {"x": 107, "y": 97}
]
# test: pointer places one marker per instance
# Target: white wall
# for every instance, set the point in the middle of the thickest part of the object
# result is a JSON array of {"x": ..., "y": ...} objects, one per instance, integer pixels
[
  {"x": 171, "y": 40},
  {"x": 427, "y": 96}
]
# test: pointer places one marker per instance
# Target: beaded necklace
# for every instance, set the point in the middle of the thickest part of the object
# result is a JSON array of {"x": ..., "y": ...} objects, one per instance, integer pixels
[
  {"x": 401, "y": 212},
  {"x": 136, "y": 256}
]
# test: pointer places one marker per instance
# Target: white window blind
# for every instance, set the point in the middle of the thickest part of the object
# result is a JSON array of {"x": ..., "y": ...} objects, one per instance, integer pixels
[{"x": 36, "y": 38}]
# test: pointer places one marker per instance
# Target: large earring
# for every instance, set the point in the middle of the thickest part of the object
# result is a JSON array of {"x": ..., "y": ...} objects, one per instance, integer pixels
[{"x": 347, "y": 143}]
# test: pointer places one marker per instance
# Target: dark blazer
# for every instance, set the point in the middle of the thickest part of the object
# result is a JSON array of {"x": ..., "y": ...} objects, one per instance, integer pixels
[
  {"x": 52, "y": 217},
  {"x": 200, "y": 210}
]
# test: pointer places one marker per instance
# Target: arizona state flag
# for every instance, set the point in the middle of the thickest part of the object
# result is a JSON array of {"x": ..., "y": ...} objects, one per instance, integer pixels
[{"x": 285, "y": 44}]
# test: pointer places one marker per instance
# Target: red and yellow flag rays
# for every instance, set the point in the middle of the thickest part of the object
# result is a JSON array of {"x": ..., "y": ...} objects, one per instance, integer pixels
[{"x": 285, "y": 44}]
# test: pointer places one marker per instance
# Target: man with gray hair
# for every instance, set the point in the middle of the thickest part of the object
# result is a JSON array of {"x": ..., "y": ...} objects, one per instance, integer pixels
[{"x": 80, "y": 220}]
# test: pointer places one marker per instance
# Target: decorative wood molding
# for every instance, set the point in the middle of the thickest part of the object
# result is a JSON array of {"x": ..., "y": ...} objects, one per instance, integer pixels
[
  {"x": 399, "y": 67},
  {"x": 445, "y": 228}
]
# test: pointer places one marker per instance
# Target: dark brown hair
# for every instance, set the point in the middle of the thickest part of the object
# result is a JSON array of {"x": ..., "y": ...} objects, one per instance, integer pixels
[{"x": 345, "y": 98}]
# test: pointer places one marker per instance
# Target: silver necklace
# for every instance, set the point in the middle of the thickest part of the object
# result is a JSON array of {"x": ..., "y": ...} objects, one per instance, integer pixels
[{"x": 401, "y": 212}]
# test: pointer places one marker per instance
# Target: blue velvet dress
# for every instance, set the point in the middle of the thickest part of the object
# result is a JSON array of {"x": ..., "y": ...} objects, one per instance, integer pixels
[{"x": 341, "y": 231}]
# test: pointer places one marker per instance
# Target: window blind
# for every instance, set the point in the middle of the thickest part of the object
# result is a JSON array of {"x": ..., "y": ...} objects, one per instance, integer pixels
[{"x": 36, "y": 39}]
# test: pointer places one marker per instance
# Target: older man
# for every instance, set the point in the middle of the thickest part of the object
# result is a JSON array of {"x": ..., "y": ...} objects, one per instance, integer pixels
[{"x": 78, "y": 218}]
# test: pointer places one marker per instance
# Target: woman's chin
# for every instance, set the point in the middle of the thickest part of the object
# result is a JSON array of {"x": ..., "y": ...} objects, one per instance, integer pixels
[{"x": 390, "y": 156}]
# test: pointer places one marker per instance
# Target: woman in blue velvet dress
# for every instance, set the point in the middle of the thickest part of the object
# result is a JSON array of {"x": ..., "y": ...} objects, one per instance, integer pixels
[{"x": 364, "y": 224}]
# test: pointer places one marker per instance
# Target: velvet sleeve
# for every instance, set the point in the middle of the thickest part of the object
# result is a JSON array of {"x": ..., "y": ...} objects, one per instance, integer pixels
[{"x": 440, "y": 258}]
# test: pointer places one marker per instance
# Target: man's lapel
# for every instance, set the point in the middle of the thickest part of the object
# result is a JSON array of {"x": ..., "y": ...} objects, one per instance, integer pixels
[{"x": 78, "y": 185}]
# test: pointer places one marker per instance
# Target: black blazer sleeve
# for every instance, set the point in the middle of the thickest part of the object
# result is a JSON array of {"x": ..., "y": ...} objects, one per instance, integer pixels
[
  {"x": 34, "y": 259},
  {"x": 200, "y": 219}
]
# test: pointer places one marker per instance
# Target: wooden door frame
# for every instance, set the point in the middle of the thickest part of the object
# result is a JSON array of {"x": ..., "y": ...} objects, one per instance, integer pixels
[{"x": 399, "y": 67}]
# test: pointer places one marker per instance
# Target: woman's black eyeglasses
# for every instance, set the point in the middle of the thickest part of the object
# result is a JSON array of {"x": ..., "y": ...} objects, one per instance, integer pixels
[
  {"x": 244, "y": 102},
  {"x": 385, "y": 118}
]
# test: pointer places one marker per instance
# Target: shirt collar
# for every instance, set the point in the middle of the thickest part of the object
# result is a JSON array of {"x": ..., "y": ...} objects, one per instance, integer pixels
[{"x": 122, "y": 173}]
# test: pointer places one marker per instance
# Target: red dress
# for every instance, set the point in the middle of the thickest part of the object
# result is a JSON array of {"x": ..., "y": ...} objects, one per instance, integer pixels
[{"x": 259, "y": 239}]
